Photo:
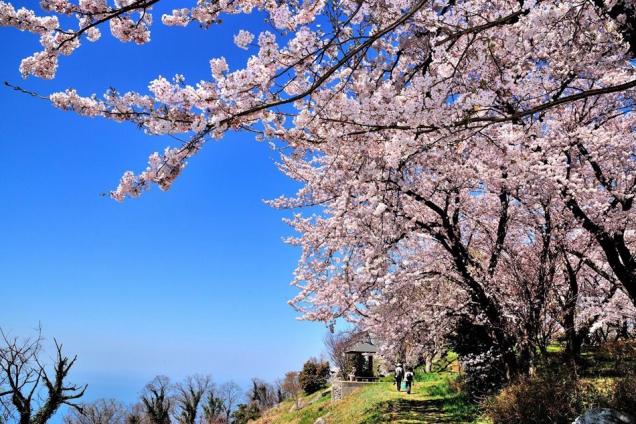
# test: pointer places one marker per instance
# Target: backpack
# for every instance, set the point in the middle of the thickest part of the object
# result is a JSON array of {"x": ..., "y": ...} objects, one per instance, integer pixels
[
  {"x": 399, "y": 373},
  {"x": 409, "y": 376}
]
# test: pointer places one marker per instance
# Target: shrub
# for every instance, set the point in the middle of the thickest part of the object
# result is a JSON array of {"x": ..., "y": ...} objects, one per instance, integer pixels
[
  {"x": 446, "y": 388},
  {"x": 444, "y": 362},
  {"x": 624, "y": 398},
  {"x": 314, "y": 376},
  {"x": 245, "y": 413},
  {"x": 619, "y": 352},
  {"x": 556, "y": 396}
]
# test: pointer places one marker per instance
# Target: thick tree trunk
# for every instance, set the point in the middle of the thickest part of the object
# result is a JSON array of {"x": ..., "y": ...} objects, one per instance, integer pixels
[
  {"x": 573, "y": 345},
  {"x": 543, "y": 349},
  {"x": 573, "y": 341},
  {"x": 428, "y": 363},
  {"x": 527, "y": 356},
  {"x": 511, "y": 365}
]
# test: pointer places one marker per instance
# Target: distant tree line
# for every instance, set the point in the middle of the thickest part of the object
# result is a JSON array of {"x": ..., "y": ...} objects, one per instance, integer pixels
[
  {"x": 198, "y": 400},
  {"x": 195, "y": 400},
  {"x": 32, "y": 391}
]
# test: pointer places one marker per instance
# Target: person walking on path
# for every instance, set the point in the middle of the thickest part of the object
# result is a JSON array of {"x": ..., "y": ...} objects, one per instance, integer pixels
[
  {"x": 399, "y": 375},
  {"x": 408, "y": 377}
]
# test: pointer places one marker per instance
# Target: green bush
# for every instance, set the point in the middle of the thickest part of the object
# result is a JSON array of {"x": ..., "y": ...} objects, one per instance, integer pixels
[
  {"x": 445, "y": 388},
  {"x": 314, "y": 376}
]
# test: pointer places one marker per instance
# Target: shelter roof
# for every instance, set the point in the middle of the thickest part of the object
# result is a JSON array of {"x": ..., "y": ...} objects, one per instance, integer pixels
[{"x": 363, "y": 348}]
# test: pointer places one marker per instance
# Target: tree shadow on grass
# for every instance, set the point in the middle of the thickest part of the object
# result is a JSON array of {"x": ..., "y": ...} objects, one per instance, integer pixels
[{"x": 410, "y": 411}]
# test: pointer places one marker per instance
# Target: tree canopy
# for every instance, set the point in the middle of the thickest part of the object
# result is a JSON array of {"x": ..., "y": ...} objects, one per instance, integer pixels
[{"x": 471, "y": 160}]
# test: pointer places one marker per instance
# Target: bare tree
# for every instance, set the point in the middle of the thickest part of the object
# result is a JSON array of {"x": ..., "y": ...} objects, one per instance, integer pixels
[
  {"x": 136, "y": 414},
  {"x": 156, "y": 398},
  {"x": 231, "y": 393},
  {"x": 101, "y": 411},
  {"x": 336, "y": 344},
  {"x": 28, "y": 393},
  {"x": 189, "y": 396},
  {"x": 213, "y": 409},
  {"x": 291, "y": 386},
  {"x": 262, "y": 395}
]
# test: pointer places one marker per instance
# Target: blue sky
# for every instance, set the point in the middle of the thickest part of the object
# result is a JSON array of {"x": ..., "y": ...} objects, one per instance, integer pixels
[{"x": 194, "y": 280}]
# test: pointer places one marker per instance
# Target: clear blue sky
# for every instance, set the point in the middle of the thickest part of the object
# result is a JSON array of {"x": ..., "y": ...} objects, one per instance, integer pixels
[{"x": 194, "y": 280}]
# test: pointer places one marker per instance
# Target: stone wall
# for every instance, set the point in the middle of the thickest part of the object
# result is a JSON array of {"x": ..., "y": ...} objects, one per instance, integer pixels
[{"x": 340, "y": 389}]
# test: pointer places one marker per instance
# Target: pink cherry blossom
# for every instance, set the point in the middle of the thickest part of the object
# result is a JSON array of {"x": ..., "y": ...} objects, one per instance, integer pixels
[{"x": 462, "y": 154}]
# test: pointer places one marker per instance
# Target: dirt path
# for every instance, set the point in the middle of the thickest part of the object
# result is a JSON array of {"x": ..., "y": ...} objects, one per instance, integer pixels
[
  {"x": 414, "y": 411},
  {"x": 414, "y": 408}
]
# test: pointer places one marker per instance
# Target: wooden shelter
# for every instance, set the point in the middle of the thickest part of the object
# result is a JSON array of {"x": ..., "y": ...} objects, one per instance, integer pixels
[{"x": 363, "y": 362}]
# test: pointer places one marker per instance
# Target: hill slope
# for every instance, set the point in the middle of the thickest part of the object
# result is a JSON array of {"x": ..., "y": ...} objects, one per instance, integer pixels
[{"x": 432, "y": 401}]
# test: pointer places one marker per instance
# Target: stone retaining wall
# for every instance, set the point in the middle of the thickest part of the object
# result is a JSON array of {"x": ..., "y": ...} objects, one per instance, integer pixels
[{"x": 340, "y": 389}]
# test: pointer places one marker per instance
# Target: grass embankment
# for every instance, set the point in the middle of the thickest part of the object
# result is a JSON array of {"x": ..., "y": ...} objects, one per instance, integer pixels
[{"x": 434, "y": 399}]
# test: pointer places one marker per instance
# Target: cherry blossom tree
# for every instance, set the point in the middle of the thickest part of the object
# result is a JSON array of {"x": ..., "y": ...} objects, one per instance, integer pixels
[
  {"x": 411, "y": 324},
  {"x": 413, "y": 67},
  {"x": 463, "y": 145}
]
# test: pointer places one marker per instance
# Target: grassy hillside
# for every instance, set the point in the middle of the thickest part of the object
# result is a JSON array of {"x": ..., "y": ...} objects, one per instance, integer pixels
[
  {"x": 432, "y": 401},
  {"x": 606, "y": 377}
]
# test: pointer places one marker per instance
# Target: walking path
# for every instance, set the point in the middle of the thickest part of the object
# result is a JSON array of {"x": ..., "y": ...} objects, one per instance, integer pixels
[
  {"x": 417, "y": 407},
  {"x": 376, "y": 403}
]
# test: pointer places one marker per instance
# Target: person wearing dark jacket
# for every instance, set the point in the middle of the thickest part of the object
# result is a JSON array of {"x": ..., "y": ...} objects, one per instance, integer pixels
[{"x": 408, "y": 377}]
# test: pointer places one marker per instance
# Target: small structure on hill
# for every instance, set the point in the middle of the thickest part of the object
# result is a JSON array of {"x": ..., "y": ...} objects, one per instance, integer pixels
[{"x": 362, "y": 369}]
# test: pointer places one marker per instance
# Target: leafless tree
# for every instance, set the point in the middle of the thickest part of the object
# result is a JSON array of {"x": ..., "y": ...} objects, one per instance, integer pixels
[
  {"x": 156, "y": 397},
  {"x": 136, "y": 414},
  {"x": 213, "y": 409},
  {"x": 336, "y": 344},
  {"x": 28, "y": 393},
  {"x": 189, "y": 396},
  {"x": 291, "y": 386},
  {"x": 262, "y": 395},
  {"x": 231, "y": 393},
  {"x": 101, "y": 411}
]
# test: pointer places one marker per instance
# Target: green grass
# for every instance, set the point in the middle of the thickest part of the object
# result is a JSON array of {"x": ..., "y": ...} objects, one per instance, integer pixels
[
  {"x": 442, "y": 387},
  {"x": 555, "y": 348},
  {"x": 421, "y": 377},
  {"x": 281, "y": 414},
  {"x": 435, "y": 400}
]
